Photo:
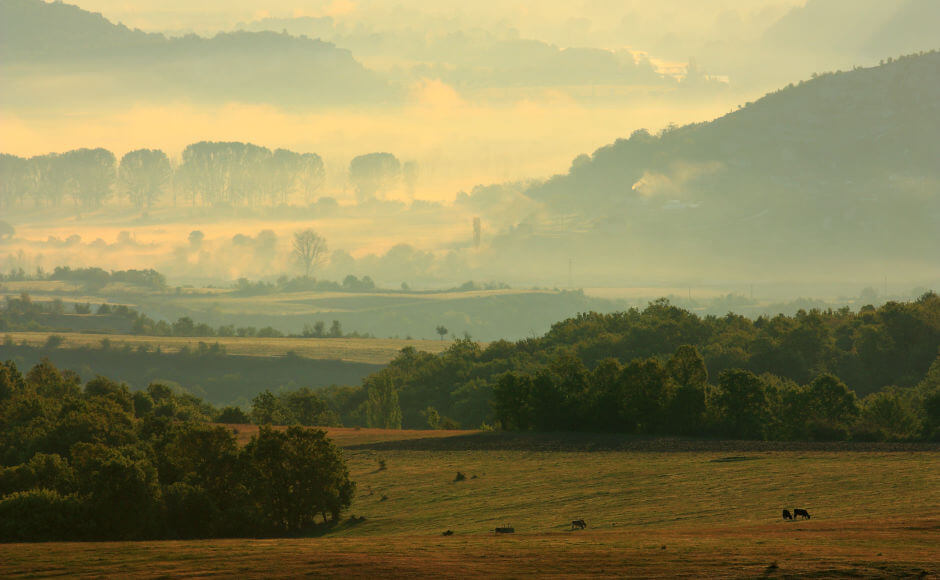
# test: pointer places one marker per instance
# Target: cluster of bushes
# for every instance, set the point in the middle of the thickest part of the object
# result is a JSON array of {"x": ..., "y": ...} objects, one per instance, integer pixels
[
  {"x": 301, "y": 407},
  {"x": 591, "y": 372},
  {"x": 100, "y": 462}
]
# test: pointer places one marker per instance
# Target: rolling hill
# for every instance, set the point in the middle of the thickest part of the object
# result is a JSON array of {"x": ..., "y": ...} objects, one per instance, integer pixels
[
  {"x": 839, "y": 170},
  {"x": 91, "y": 55}
]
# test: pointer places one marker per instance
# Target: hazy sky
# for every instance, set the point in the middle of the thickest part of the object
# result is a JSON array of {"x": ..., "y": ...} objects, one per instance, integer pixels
[
  {"x": 541, "y": 19},
  {"x": 459, "y": 138}
]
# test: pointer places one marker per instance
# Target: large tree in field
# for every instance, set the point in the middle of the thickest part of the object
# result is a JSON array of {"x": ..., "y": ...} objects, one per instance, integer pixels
[
  {"x": 143, "y": 176},
  {"x": 309, "y": 250}
]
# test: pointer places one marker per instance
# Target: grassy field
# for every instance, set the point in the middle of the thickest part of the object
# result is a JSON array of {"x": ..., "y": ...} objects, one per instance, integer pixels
[
  {"x": 705, "y": 513},
  {"x": 364, "y": 350}
]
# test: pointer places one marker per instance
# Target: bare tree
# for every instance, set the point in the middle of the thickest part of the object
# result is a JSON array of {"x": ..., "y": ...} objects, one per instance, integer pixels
[{"x": 309, "y": 249}]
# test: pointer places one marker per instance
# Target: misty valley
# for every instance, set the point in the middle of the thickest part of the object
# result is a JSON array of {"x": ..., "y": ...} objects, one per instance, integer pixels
[{"x": 373, "y": 289}]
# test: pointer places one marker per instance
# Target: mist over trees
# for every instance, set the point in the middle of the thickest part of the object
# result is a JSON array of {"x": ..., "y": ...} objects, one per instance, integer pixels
[
  {"x": 211, "y": 174},
  {"x": 144, "y": 176},
  {"x": 373, "y": 173}
]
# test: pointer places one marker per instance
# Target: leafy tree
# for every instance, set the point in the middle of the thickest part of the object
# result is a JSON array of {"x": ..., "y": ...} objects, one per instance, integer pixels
[
  {"x": 741, "y": 404},
  {"x": 511, "y": 401},
  {"x": 92, "y": 175},
  {"x": 373, "y": 173},
  {"x": 267, "y": 409},
  {"x": 887, "y": 413},
  {"x": 382, "y": 408},
  {"x": 310, "y": 175},
  {"x": 297, "y": 475},
  {"x": 687, "y": 367},
  {"x": 336, "y": 330},
  {"x": 121, "y": 488},
  {"x": 830, "y": 401},
  {"x": 646, "y": 391},
  {"x": 233, "y": 415},
  {"x": 441, "y": 330},
  {"x": 144, "y": 176}
]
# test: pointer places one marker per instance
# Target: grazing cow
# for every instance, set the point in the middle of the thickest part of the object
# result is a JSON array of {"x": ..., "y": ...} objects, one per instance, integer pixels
[
  {"x": 787, "y": 515},
  {"x": 448, "y": 533},
  {"x": 797, "y": 512},
  {"x": 505, "y": 530},
  {"x": 578, "y": 524}
]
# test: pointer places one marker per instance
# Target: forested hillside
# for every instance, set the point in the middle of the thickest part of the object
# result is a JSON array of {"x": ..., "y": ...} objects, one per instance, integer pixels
[
  {"x": 839, "y": 170},
  {"x": 820, "y": 374}
]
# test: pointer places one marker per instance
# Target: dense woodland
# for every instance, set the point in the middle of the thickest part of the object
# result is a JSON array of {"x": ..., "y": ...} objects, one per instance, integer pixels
[
  {"x": 101, "y": 462},
  {"x": 660, "y": 370},
  {"x": 835, "y": 374}
]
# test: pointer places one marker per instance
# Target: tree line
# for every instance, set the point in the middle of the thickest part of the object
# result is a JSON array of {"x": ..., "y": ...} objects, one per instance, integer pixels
[
  {"x": 101, "y": 462},
  {"x": 209, "y": 174},
  {"x": 22, "y": 313},
  {"x": 871, "y": 374}
]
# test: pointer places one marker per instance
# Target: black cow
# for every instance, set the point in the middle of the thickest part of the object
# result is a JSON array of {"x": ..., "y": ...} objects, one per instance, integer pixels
[
  {"x": 797, "y": 512},
  {"x": 505, "y": 530},
  {"x": 579, "y": 524},
  {"x": 787, "y": 515}
]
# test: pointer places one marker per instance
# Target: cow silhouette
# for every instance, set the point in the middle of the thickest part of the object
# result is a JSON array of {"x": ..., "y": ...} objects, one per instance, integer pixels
[
  {"x": 505, "y": 530},
  {"x": 579, "y": 524},
  {"x": 797, "y": 512},
  {"x": 787, "y": 515}
]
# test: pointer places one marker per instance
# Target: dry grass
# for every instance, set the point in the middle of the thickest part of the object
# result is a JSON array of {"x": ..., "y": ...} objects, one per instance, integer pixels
[
  {"x": 854, "y": 548},
  {"x": 360, "y": 350},
  {"x": 649, "y": 514}
]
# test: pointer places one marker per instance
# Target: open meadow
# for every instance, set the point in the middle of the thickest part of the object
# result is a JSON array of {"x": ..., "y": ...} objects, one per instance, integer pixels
[{"x": 661, "y": 508}]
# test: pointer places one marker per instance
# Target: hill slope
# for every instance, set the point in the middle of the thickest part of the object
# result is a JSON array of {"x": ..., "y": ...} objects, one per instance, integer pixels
[{"x": 842, "y": 167}]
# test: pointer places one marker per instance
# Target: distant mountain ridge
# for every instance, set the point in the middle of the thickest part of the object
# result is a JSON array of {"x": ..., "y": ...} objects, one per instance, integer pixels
[
  {"x": 39, "y": 38},
  {"x": 876, "y": 28},
  {"x": 842, "y": 167}
]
